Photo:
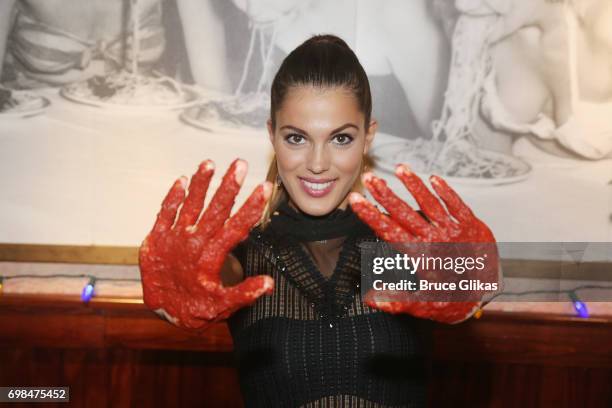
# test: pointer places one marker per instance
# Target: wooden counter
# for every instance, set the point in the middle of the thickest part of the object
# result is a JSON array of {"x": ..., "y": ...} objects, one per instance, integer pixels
[{"x": 122, "y": 353}]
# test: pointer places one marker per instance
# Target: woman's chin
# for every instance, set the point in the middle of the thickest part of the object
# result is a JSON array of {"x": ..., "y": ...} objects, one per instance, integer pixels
[{"x": 316, "y": 206}]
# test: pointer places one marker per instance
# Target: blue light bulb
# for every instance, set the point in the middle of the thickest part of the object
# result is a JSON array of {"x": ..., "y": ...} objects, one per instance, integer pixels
[
  {"x": 579, "y": 306},
  {"x": 88, "y": 290},
  {"x": 581, "y": 309}
]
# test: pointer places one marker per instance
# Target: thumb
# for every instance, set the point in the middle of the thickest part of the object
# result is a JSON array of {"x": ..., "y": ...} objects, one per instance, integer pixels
[{"x": 247, "y": 292}]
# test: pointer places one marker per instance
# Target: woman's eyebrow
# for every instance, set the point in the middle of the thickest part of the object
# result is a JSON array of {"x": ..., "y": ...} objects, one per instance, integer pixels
[{"x": 346, "y": 125}]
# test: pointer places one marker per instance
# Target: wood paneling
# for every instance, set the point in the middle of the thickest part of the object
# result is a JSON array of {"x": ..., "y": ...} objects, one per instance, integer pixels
[
  {"x": 53, "y": 321},
  {"x": 491, "y": 385},
  {"x": 117, "y": 353},
  {"x": 562, "y": 341},
  {"x": 120, "y": 377}
]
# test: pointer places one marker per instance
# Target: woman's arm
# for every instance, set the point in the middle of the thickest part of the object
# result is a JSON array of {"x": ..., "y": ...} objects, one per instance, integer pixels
[
  {"x": 6, "y": 20},
  {"x": 419, "y": 56},
  {"x": 543, "y": 54},
  {"x": 204, "y": 33}
]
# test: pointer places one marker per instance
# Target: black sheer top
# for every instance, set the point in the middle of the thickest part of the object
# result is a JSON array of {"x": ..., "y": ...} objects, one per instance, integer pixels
[{"x": 313, "y": 343}]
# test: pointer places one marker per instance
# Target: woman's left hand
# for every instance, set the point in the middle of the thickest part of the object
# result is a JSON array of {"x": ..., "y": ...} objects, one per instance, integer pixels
[{"x": 454, "y": 224}]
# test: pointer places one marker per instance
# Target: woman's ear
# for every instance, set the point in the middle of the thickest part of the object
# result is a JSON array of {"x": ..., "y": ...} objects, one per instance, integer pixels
[{"x": 370, "y": 134}]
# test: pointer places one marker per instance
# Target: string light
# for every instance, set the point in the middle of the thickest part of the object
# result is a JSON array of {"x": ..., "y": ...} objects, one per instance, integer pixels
[
  {"x": 88, "y": 290},
  {"x": 579, "y": 306}
]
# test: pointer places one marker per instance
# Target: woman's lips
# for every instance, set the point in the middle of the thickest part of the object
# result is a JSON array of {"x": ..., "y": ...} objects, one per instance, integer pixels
[{"x": 317, "y": 189}]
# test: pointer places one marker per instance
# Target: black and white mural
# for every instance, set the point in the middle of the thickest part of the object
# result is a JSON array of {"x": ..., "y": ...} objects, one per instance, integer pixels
[{"x": 104, "y": 103}]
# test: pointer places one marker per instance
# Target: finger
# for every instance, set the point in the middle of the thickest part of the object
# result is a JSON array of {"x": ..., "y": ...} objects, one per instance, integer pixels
[
  {"x": 382, "y": 224},
  {"x": 428, "y": 203},
  {"x": 192, "y": 207},
  {"x": 399, "y": 210},
  {"x": 248, "y": 291},
  {"x": 236, "y": 229},
  {"x": 389, "y": 307},
  {"x": 239, "y": 225},
  {"x": 229, "y": 299},
  {"x": 456, "y": 207},
  {"x": 443, "y": 312},
  {"x": 167, "y": 214},
  {"x": 222, "y": 202}
]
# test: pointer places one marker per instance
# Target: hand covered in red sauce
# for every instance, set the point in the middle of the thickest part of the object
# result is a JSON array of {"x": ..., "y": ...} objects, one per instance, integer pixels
[
  {"x": 182, "y": 257},
  {"x": 455, "y": 223}
]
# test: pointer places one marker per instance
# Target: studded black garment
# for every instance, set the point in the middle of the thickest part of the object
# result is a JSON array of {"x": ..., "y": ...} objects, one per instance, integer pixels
[{"x": 313, "y": 343}]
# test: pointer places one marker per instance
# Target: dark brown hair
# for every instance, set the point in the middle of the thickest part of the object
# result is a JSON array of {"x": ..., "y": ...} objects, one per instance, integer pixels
[{"x": 324, "y": 61}]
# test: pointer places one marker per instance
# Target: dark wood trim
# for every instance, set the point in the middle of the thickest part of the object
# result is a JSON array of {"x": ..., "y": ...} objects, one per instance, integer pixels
[
  {"x": 500, "y": 337},
  {"x": 540, "y": 269},
  {"x": 114, "y": 255}
]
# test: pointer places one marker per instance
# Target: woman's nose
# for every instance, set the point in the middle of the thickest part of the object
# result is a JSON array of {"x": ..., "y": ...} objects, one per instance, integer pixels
[{"x": 318, "y": 159}]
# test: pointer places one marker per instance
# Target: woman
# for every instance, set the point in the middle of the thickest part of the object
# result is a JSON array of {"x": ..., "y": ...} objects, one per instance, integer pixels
[
  {"x": 553, "y": 78},
  {"x": 56, "y": 42},
  {"x": 312, "y": 339}
]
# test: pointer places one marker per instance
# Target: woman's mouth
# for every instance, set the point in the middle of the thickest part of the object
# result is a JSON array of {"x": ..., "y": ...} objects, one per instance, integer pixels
[{"x": 317, "y": 189}]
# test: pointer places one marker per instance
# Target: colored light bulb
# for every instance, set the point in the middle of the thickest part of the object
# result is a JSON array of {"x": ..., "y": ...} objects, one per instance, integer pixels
[
  {"x": 88, "y": 290},
  {"x": 579, "y": 306}
]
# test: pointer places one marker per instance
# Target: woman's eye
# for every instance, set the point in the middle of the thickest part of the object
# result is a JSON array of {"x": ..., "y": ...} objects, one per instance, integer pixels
[
  {"x": 294, "y": 138},
  {"x": 343, "y": 138}
]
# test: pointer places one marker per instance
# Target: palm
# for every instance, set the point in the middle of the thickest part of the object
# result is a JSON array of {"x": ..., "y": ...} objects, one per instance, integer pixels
[
  {"x": 454, "y": 224},
  {"x": 181, "y": 258}
]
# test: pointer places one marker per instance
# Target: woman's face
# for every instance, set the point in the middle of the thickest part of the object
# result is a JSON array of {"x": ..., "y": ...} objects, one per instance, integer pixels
[{"x": 320, "y": 141}]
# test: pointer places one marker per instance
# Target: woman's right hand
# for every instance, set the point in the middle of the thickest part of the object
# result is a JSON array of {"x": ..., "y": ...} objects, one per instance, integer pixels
[{"x": 182, "y": 257}]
